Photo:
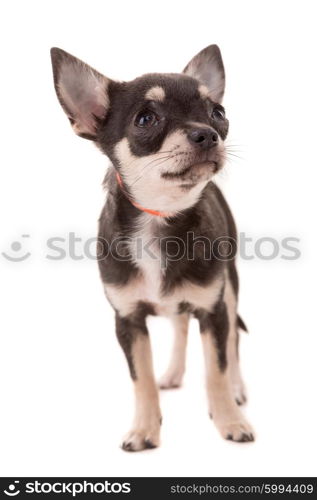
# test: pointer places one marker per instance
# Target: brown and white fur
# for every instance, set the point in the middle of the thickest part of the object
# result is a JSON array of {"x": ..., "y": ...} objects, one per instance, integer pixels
[{"x": 163, "y": 226}]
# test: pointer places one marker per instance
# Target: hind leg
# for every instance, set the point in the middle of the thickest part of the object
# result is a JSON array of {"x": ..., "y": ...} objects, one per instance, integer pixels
[
  {"x": 238, "y": 386},
  {"x": 174, "y": 374}
]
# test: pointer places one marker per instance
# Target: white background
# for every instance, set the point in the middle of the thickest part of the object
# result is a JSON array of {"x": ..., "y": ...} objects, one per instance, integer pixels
[{"x": 66, "y": 396}]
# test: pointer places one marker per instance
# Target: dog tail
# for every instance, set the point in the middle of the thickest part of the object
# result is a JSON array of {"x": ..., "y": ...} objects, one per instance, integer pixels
[{"x": 241, "y": 324}]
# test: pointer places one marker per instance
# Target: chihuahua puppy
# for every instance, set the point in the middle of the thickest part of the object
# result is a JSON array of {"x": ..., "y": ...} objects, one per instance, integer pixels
[{"x": 167, "y": 238}]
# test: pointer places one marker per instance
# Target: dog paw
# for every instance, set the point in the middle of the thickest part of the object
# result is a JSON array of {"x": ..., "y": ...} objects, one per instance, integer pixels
[
  {"x": 137, "y": 440},
  {"x": 171, "y": 380},
  {"x": 239, "y": 394},
  {"x": 238, "y": 431}
]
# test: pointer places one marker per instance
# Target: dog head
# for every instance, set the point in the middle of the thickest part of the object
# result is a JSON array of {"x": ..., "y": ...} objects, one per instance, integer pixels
[{"x": 164, "y": 133}]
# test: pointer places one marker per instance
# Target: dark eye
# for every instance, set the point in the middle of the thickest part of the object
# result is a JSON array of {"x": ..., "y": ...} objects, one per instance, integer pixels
[
  {"x": 218, "y": 114},
  {"x": 146, "y": 119}
]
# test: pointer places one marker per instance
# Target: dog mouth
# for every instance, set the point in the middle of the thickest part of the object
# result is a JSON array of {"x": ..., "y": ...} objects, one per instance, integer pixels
[{"x": 193, "y": 169}]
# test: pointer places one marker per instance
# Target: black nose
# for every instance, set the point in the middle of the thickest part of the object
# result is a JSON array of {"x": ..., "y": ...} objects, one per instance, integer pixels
[{"x": 204, "y": 138}]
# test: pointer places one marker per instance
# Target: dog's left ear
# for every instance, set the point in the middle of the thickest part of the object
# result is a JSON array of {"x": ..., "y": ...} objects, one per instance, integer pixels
[
  {"x": 207, "y": 67},
  {"x": 82, "y": 92}
]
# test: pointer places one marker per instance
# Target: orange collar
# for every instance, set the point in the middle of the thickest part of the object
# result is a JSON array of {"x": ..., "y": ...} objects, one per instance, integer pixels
[{"x": 135, "y": 204}]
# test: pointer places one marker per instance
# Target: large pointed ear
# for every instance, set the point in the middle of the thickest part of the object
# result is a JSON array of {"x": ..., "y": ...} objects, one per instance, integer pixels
[
  {"x": 82, "y": 92},
  {"x": 207, "y": 67}
]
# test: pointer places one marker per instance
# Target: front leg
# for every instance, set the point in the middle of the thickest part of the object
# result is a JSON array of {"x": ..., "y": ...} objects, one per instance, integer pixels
[
  {"x": 226, "y": 414},
  {"x": 134, "y": 339}
]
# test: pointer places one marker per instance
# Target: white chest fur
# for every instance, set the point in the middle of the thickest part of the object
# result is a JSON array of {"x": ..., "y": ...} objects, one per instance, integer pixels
[{"x": 146, "y": 255}]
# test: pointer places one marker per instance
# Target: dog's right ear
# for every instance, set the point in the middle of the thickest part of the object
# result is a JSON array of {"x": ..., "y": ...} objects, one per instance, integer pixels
[{"x": 82, "y": 92}]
